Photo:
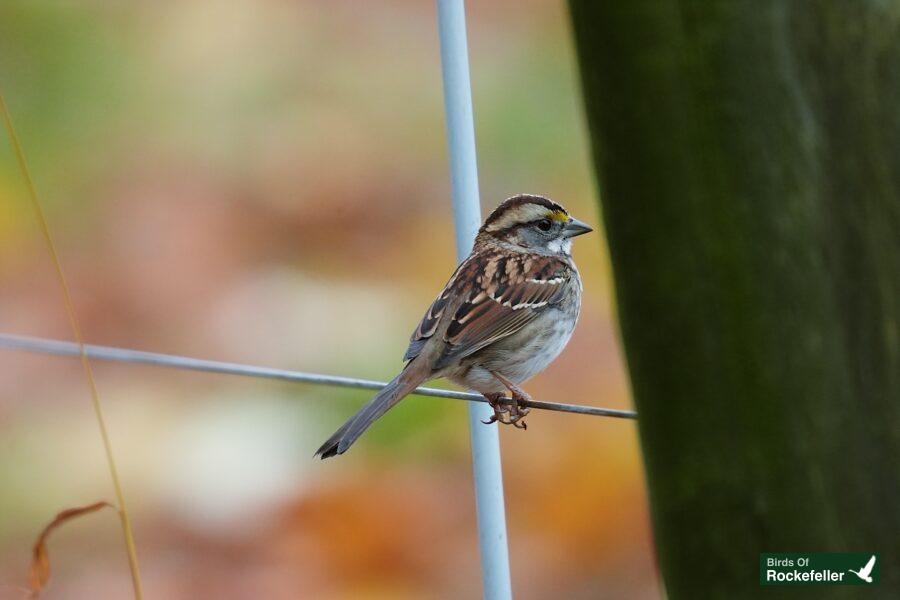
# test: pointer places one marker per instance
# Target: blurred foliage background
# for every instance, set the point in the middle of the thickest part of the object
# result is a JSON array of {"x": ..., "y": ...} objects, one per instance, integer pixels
[{"x": 266, "y": 182}]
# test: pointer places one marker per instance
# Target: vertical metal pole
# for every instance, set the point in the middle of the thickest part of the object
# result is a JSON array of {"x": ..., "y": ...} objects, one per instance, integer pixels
[{"x": 490, "y": 510}]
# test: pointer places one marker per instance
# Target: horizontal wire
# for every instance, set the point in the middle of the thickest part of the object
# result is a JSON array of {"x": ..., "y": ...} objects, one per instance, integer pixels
[{"x": 62, "y": 348}]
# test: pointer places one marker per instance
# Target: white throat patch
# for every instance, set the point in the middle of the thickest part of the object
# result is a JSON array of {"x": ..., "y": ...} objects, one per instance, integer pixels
[{"x": 560, "y": 246}]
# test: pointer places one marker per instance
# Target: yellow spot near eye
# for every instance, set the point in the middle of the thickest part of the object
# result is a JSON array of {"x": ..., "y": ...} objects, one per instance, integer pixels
[{"x": 558, "y": 215}]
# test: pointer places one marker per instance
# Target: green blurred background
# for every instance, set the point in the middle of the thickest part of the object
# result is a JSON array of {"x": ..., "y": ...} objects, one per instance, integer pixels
[{"x": 266, "y": 182}]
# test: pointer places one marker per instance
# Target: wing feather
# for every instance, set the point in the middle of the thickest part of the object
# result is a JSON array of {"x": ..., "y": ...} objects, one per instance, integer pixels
[
  {"x": 500, "y": 295},
  {"x": 429, "y": 323}
]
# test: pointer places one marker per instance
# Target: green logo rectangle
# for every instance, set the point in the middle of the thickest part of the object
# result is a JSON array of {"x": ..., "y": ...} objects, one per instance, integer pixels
[{"x": 823, "y": 568}]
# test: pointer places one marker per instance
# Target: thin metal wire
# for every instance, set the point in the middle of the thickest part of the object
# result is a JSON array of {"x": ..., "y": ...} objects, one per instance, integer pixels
[{"x": 125, "y": 355}]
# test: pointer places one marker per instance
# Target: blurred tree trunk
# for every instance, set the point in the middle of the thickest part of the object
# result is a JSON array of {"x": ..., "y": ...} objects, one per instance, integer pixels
[{"x": 748, "y": 156}]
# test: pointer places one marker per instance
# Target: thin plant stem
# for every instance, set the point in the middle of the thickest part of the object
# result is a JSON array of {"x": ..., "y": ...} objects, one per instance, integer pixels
[{"x": 85, "y": 362}]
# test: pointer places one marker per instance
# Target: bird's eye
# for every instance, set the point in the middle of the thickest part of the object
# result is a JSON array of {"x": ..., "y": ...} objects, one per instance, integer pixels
[{"x": 544, "y": 224}]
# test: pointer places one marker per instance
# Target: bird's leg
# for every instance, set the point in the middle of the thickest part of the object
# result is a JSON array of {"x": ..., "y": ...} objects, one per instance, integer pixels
[
  {"x": 501, "y": 407},
  {"x": 516, "y": 411}
]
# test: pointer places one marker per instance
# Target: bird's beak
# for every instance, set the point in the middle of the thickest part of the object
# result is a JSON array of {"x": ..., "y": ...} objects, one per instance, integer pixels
[{"x": 575, "y": 227}]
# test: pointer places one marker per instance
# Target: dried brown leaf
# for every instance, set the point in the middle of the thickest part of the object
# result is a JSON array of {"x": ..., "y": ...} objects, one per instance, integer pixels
[{"x": 40, "y": 561}]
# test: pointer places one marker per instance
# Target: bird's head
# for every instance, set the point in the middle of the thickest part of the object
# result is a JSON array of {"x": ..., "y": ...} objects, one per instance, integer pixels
[{"x": 531, "y": 224}]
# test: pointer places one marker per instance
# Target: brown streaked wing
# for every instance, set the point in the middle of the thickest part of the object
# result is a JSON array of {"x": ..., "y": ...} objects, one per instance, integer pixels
[
  {"x": 429, "y": 323},
  {"x": 511, "y": 291}
]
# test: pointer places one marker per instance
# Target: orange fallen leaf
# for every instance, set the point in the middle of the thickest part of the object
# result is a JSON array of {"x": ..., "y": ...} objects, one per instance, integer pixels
[{"x": 40, "y": 561}]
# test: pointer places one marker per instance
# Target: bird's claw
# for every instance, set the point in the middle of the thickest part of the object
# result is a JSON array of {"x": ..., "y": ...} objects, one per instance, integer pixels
[
  {"x": 507, "y": 410},
  {"x": 517, "y": 414},
  {"x": 516, "y": 410},
  {"x": 501, "y": 407}
]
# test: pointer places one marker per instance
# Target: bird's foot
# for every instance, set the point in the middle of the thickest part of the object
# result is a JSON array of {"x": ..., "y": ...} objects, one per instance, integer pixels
[
  {"x": 519, "y": 397},
  {"x": 509, "y": 411},
  {"x": 517, "y": 411},
  {"x": 502, "y": 408}
]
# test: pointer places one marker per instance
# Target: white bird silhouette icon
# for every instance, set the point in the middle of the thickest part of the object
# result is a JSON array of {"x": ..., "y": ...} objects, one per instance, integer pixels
[{"x": 866, "y": 572}]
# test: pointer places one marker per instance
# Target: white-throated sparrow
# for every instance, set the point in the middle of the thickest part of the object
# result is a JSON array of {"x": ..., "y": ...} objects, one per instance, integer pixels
[{"x": 506, "y": 313}]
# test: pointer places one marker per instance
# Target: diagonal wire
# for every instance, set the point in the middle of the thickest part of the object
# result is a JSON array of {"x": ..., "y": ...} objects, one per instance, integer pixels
[{"x": 108, "y": 353}]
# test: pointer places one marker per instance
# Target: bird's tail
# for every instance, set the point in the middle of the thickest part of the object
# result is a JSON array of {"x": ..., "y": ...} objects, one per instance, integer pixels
[{"x": 391, "y": 394}]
